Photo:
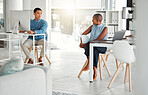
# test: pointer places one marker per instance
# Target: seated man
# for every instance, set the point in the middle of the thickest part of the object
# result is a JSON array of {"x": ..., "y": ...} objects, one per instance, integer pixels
[
  {"x": 37, "y": 26},
  {"x": 98, "y": 32}
]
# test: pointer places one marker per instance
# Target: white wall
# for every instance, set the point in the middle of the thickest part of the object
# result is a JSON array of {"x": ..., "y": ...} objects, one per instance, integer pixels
[
  {"x": 142, "y": 47},
  {"x": 31, "y": 4},
  {"x": 26, "y": 4}
]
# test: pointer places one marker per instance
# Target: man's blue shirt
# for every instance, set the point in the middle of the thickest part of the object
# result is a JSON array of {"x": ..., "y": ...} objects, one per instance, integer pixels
[{"x": 39, "y": 27}]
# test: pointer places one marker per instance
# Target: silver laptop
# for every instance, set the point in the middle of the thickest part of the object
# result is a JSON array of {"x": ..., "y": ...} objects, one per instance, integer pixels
[{"x": 118, "y": 35}]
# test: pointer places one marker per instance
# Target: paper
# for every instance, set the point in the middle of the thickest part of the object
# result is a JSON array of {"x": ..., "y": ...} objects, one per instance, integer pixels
[{"x": 85, "y": 39}]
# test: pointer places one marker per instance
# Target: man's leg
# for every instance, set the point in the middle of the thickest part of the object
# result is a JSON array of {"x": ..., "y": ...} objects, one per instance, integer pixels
[
  {"x": 41, "y": 42},
  {"x": 25, "y": 46}
]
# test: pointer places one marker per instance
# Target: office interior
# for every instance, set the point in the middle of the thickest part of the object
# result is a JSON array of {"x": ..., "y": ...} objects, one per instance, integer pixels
[{"x": 67, "y": 20}]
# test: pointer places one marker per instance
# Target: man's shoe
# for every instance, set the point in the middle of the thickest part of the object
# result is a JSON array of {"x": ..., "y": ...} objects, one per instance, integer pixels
[
  {"x": 30, "y": 61},
  {"x": 41, "y": 64},
  {"x": 40, "y": 60}
]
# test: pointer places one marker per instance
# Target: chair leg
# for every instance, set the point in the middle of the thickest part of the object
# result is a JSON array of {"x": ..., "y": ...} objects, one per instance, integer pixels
[
  {"x": 126, "y": 74},
  {"x": 36, "y": 53},
  {"x": 106, "y": 59},
  {"x": 47, "y": 58},
  {"x": 82, "y": 68},
  {"x": 117, "y": 71},
  {"x": 103, "y": 58},
  {"x": 29, "y": 51},
  {"x": 25, "y": 60},
  {"x": 117, "y": 63},
  {"x": 100, "y": 61},
  {"x": 129, "y": 69}
]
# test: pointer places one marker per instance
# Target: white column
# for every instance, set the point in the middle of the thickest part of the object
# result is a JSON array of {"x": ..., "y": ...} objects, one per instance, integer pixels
[
  {"x": 142, "y": 47},
  {"x": 12, "y": 5},
  {"x": 26, "y": 4}
]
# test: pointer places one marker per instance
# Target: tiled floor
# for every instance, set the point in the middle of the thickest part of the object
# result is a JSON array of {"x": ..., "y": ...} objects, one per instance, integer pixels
[{"x": 66, "y": 65}]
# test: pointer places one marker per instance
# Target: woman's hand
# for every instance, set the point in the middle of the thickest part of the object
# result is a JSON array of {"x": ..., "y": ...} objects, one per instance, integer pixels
[{"x": 82, "y": 45}]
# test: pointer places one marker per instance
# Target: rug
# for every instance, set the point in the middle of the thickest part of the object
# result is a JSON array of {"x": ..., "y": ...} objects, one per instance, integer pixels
[{"x": 62, "y": 93}]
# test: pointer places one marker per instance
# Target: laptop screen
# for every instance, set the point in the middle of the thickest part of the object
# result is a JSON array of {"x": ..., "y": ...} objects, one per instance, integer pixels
[{"x": 119, "y": 35}]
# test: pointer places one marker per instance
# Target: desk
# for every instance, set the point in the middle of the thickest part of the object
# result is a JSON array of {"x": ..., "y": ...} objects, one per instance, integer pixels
[
  {"x": 20, "y": 41},
  {"x": 93, "y": 44},
  {"x": 9, "y": 40}
]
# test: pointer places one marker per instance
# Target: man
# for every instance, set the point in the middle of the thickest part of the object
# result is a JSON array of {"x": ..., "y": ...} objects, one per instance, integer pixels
[
  {"x": 37, "y": 26},
  {"x": 98, "y": 32}
]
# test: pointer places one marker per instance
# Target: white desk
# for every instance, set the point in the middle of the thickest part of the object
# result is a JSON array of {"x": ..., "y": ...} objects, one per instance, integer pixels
[
  {"x": 9, "y": 39},
  {"x": 93, "y": 44},
  {"x": 33, "y": 35},
  {"x": 20, "y": 41}
]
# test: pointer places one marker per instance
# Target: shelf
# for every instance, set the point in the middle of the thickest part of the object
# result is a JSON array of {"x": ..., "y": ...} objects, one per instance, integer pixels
[
  {"x": 15, "y": 52},
  {"x": 113, "y": 11},
  {"x": 108, "y": 11},
  {"x": 4, "y": 39},
  {"x": 78, "y": 8},
  {"x": 114, "y": 24},
  {"x": 7, "y": 39}
]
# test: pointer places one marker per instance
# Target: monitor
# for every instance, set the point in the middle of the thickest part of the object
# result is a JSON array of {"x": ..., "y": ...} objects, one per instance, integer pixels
[{"x": 20, "y": 20}]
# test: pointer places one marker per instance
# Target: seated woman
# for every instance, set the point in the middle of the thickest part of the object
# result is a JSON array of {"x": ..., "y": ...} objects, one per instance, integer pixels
[{"x": 98, "y": 32}]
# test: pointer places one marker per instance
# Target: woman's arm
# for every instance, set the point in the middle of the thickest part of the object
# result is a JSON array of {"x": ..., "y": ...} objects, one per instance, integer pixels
[{"x": 87, "y": 31}]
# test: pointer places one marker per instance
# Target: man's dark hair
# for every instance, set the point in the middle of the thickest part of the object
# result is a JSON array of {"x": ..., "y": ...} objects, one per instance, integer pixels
[
  {"x": 37, "y": 9},
  {"x": 98, "y": 17}
]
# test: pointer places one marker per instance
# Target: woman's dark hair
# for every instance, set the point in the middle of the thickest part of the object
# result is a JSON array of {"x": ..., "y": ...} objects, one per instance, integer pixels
[
  {"x": 98, "y": 17},
  {"x": 37, "y": 9}
]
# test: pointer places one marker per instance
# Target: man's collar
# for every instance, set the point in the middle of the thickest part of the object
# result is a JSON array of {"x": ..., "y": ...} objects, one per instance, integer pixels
[{"x": 38, "y": 20}]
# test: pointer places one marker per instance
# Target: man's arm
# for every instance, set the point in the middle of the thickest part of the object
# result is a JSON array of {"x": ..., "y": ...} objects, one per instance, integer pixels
[
  {"x": 41, "y": 31},
  {"x": 102, "y": 35}
]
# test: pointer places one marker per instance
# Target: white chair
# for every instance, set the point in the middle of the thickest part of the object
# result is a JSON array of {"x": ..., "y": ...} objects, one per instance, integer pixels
[
  {"x": 101, "y": 58},
  {"x": 108, "y": 52},
  {"x": 36, "y": 53},
  {"x": 124, "y": 53}
]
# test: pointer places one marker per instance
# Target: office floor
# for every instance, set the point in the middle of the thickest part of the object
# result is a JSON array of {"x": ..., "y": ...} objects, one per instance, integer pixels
[{"x": 66, "y": 65}]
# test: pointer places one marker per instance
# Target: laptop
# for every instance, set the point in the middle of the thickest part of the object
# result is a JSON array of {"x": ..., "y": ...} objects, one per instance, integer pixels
[{"x": 118, "y": 35}]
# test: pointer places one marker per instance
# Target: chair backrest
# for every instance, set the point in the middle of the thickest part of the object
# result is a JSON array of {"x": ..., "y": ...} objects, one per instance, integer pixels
[{"x": 123, "y": 52}]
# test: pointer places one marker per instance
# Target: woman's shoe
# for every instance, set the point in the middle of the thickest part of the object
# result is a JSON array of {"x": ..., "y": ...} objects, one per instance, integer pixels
[{"x": 86, "y": 67}]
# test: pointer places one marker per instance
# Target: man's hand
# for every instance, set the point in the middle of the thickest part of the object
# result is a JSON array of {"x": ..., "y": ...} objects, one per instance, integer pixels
[
  {"x": 21, "y": 31},
  {"x": 30, "y": 32},
  {"x": 82, "y": 45}
]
